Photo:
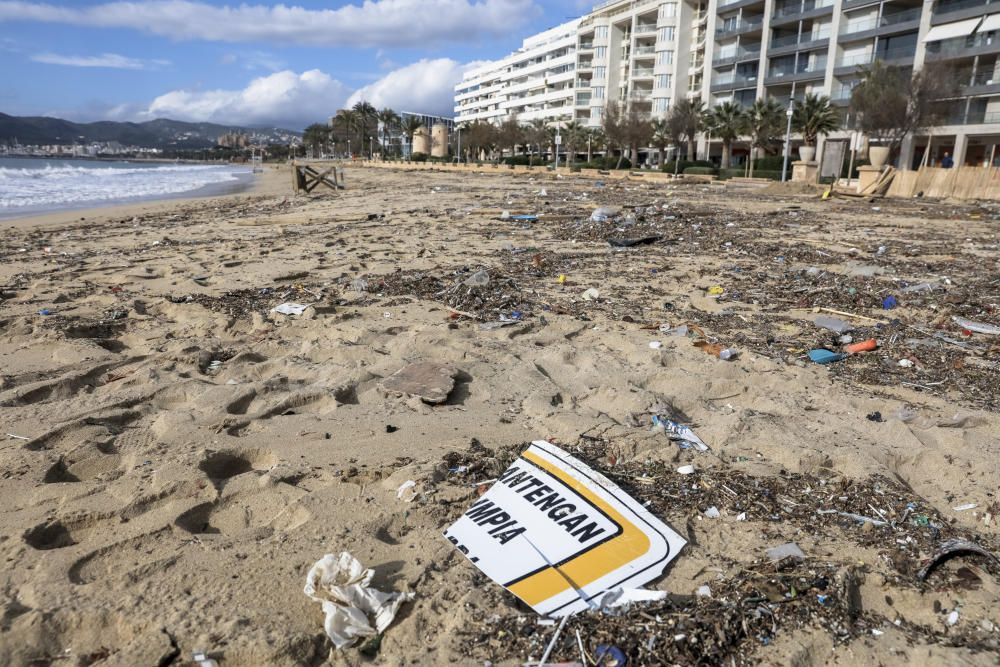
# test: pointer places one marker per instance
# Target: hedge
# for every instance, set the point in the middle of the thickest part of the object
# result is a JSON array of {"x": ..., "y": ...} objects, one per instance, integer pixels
[
  {"x": 605, "y": 163},
  {"x": 686, "y": 164},
  {"x": 700, "y": 171},
  {"x": 740, "y": 172}
]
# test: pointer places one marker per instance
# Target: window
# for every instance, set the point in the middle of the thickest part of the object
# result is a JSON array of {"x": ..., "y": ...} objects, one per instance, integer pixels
[
  {"x": 661, "y": 104},
  {"x": 662, "y": 80},
  {"x": 668, "y": 10},
  {"x": 601, "y": 32},
  {"x": 600, "y": 72},
  {"x": 596, "y": 114},
  {"x": 664, "y": 57},
  {"x": 600, "y": 52},
  {"x": 667, "y": 34},
  {"x": 598, "y": 92}
]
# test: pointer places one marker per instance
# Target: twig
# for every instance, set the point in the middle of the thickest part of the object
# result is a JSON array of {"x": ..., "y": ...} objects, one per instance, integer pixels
[
  {"x": 859, "y": 317},
  {"x": 19, "y": 437},
  {"x": 552, "y": 642}
]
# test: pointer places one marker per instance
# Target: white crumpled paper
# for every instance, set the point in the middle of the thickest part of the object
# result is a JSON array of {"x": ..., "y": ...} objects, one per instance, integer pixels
[{"x": 341, "y": 584}]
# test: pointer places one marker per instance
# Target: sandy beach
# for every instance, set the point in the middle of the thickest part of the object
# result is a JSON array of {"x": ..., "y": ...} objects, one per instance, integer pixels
[{"x": 176, "y": 455}]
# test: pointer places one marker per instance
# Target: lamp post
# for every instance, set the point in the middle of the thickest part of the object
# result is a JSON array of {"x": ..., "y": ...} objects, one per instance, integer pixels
[
  {"x": 348, "y": 149},
  {"x": 788, "y": 139}
]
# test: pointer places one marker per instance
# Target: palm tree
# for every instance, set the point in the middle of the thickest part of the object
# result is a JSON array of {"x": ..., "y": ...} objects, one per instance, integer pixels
[
  {"x": 689, "y": 116},
  {"x": 367, "y": 115},
  {"x": 410, "y": 126},
  {"x": 388, "y": 121},
  {"x": 661, "y": 138},
  {"x": 536, "y": 134},
  {"x": 636, "y": 131},
  {"x": 595, "y": 141},
  {"x": 614, "y": 132},
  {"x": 345, "y": 123},
  {"x": 814, "y": 116},
  {"x": 727, "y": 121},
  {"x": 572, "y": 134},
  {"x": 764, "y": 121}
]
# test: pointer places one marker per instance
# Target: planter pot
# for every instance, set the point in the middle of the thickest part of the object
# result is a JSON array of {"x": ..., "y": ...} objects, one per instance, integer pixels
[
  {"x": 878, "y": 155},
  {"x": 807, "y": 153}
]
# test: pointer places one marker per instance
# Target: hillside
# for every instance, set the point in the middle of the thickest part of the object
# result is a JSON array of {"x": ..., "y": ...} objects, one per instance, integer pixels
[{"x": 159, "y": 133}]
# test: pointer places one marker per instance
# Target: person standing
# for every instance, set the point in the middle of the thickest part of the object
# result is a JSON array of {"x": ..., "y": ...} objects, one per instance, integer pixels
[{"x": 946, "y": 161}]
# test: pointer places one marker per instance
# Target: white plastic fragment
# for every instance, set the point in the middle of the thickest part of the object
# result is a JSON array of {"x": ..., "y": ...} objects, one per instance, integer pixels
[
  {"x": 353, "y": 609},
  {"x": 655, "y": 345},
  {"x": 591, "y": 294},
  {"x": 953, "y": 617},
  {"x": 703, "y": 592},
  {"x": 407, "y": 491},
  {"x": 787, "y": 550},
  {"x": 621, "y": 597},
  {"x": 686, "y": 470},
  {"x": 290, "y": 308},
  {"x": 977, "y": 327},
  {"x": 203, "y": 660},
  {"x": 965, "y": 507},
  {"x": 713, "y": 512}
]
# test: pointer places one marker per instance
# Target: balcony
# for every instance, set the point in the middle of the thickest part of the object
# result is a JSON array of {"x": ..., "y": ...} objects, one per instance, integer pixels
[
  {"x": 893, "y": 55},
  {"x": 732, "y": 82},
  {"x": 641, "y": 95},
  {"x": 583, "y": 99},
  {"x": 792, "y": 43},
  {"x": 963, "y": 47},
  {"x": 787, "y": 74},
  {"x": 946, "y": 12},
  {"x": 585, "y": 46},
  {"x": 795, "y": 8},
  {"x": 642, "y": 73},
  {"x": 741, "y": 54},
  {"x": 644, "y": 28},
  {"x": 585, "y": 64},
  {"x": 895, "y": 21},
  {"x": 740, "y": 26},
  {"x": 644, "y": 51}
]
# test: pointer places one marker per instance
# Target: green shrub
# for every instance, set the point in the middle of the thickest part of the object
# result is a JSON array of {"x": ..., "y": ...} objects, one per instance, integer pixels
[
  {"x": 700, "y": 171},
  {"x": 605, "y": 163},
  {"x": 771, "y": 163},
  {"x": 740, "y": 172},
  {"x": 521, "y": 160},
  {"x": 419, "y": 157},
  {"x": 685, "y": 164}
]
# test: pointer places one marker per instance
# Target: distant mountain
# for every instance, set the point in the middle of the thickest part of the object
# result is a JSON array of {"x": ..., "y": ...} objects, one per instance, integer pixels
[{"x": 159, "y": 133}]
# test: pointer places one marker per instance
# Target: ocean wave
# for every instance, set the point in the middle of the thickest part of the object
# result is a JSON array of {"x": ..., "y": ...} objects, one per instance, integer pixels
[{"x": 60, "y": 185}]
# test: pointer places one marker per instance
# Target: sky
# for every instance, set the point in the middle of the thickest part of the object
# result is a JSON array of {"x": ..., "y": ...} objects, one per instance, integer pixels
[{"x": 252, "y": 63}]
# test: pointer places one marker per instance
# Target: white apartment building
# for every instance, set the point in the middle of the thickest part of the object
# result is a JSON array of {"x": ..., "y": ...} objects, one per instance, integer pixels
[
  {"x": 534, "y": 82},
  {"x": 652, "y": 52}
]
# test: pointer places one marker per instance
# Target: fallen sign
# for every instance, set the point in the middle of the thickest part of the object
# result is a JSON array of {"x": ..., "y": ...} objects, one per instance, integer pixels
[
  {"x": 560, "y": 535},
  {"x": 306, "y": 177}
]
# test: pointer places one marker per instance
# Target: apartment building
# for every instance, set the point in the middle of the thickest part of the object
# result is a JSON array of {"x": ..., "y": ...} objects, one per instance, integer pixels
[
  {"x": 534, "y": 82},
  {"x": 652, "y": 52}
]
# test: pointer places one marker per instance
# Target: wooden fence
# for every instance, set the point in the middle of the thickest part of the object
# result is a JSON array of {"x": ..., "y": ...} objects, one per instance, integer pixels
[{"x": 955, "y": 183}]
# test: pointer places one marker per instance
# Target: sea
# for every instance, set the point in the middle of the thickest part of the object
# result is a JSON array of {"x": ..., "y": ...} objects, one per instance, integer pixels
[{"x": 32, "y": 186}]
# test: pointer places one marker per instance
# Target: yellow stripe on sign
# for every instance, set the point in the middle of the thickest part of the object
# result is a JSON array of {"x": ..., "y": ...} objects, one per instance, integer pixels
[{"x": 587, "y": 567}]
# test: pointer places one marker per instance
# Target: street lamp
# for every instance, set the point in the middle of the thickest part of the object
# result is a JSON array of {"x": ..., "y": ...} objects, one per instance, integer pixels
[{"x": 788, "y": 138}]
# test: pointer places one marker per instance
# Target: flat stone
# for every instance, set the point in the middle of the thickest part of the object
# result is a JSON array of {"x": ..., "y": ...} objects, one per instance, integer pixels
[{"x": 429, "y": 381}]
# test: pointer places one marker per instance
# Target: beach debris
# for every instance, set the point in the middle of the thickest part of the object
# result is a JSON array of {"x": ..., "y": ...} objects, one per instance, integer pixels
[
  {"x": 821, "y": 356},
  {"x": 629, "y": 243},
  {"x": 889, "y": 302},
  {"x": 729, "y": 354},
  {"x": 610, "y": 656},
  {"x": 950, "y": 549},
  {"x": 679, "y": 433},
  {"x": 602, "y": 213},
  {"x": 787, "y": 550},
  {"x": 655, "y": 345},
  {"x": 538, "y": 526},
  {"x": 952, "y": 617},
  {"x": 833, "y": 324},
  {"x": 44, "y": 311},
  {"x": 499, "y": 324},
  {"x": 862, "y": 346},
  {"x": 407, "y": 491},
  {"x": 716, "y": 290},
  {"x": 430, "y": 381},
  {"x": 201, "y": 657},
  {"x": 591, "y": 294},
  {"x": 290, "y": 308},
  {"x": 906, "y": 363},
  {"x": 703, "y": 591},
  {"x": 621, "y": 597},
  {"x": 976, "y": 327},
  {"x": 712, "y": 512},
  {"x": 525, "y": 218},
  {"x": 965, "y": 507},
  {"x": 875, "y": 417},
  {"x": 686, "y": 470},
  {"x": 480, "y": 278},
  {"x": 353, "y": 609}
]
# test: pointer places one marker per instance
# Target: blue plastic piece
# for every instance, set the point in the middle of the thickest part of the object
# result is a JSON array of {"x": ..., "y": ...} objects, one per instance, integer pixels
[
  {"x": 610, "y": 655},
  {"x": 826, "y": 356},
  {"x": 889, "y": 302}
]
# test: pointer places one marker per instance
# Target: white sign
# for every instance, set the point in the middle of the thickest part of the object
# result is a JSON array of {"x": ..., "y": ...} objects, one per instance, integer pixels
[
  {"x": 558, "y": 534},
  {"x": 558, "y": 140}
]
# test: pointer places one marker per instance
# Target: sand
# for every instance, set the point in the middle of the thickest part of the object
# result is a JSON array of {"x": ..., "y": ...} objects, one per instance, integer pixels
[{"x": 176, "y": 457}]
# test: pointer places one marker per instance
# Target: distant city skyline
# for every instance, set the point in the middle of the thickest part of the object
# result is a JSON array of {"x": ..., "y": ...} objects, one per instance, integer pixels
[{"x": 251, "y": 63}]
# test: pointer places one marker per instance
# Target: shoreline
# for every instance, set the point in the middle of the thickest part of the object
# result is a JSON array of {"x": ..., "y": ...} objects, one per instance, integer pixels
[{"x": 265, "y": 183}]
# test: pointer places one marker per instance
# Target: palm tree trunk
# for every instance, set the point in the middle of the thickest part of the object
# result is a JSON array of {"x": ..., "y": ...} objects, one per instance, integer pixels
[
  {"x": 621, "y": 156},
  {"x": 660, "y": 156},
  {"x": 634, "y": 156},
  {"x": 690, "y": 149},
  {"x": 726, "y": 148}
]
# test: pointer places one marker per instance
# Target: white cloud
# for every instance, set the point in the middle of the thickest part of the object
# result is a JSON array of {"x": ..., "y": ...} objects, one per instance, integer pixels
[
  {"x": 283, "y": 99},
  {"x": 393, "y": 23},
  {"x": 105, "y": 60},
  {"x": 427, "y": 86}
]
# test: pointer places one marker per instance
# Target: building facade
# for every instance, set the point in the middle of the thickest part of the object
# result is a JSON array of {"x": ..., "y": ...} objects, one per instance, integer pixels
[{"x": 650, "y": 53}]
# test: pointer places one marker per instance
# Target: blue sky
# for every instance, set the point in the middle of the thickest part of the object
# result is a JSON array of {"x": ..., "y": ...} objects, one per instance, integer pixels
[{"x": 247, "y": 62}]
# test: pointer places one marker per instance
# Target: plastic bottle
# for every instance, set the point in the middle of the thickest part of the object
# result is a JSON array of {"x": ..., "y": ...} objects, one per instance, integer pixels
[{"x": 728, "y": 354}]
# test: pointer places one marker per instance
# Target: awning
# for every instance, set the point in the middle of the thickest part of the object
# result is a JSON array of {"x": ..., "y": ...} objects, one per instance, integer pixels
[
  {"x": 991, "y": 22},
  {"x": 950, "y": 30}
]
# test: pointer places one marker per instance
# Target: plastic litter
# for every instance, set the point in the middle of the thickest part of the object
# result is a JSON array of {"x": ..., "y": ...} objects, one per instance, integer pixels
[
  {"x": 716, "y": 290},
  {"x": 862, "y": 346},
  {"x": 728, "y": 354},
  {"x": 353, "y": 609},
  {"x": 953, "y": 617},
  {"x": 498, "y": 324},
  {"x": 922, "y": 287},
  {"x": 602, "y": 214},
  {"x": 45, "y": 311},
  {"x": 712, "y": 512},
  {"x": 977, "y": 327},
  {"x": 610, "y": 656},
  {"x": 480, "y": 278},
  {"x": 889, "y": 302},
  {"x": 407, "y": 491},
  {"x": 906, "y": 363},
  {"x": 591, "y": 294},
  {"x": 290, "y": 308},
  {"x": 833, "y": 324},
  {"x": 655, "y": 345},
  {"x": 202, "y": 659},
  {"x": 703, "y": 592},
  {"x": 621, "y": 597},
  {"x": 525, "y": 218},
  {"x": 686, "y": 470},
  {"x": 679, "y": 433},
  {"x": 826, "y": 356},
  {"x": 787, "y": 550}
]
